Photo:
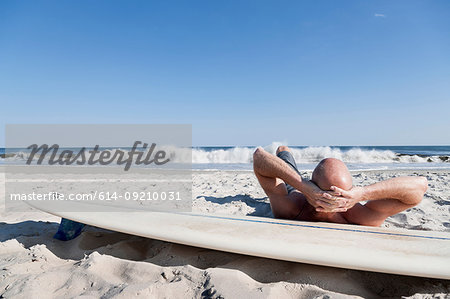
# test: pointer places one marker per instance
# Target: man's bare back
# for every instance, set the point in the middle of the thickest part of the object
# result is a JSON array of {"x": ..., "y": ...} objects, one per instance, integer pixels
[{"x": 330, "y": 195}]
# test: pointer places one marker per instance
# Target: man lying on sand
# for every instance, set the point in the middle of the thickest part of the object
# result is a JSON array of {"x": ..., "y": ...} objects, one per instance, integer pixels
[{"x": 330, "y": 195}]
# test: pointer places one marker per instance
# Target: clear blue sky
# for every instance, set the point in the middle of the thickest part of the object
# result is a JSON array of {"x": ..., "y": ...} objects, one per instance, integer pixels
[{"x": 241, "y": 72}]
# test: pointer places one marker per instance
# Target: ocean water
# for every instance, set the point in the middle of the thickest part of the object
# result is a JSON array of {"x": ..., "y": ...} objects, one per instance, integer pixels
[{"x": 356, "y": 157}]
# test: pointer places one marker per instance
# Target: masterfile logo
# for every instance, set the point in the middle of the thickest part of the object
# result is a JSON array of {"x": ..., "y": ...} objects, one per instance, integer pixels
[
  {"x": 137, "y": 155},
  {"x": 99, "y": 167}
]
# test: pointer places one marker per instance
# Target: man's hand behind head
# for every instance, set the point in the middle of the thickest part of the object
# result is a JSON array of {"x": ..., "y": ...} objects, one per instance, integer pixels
[{"x": 321, "y": 200}]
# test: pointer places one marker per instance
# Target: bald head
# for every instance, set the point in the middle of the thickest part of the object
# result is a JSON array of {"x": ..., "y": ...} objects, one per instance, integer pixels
[{"x": 332, "y": 172}]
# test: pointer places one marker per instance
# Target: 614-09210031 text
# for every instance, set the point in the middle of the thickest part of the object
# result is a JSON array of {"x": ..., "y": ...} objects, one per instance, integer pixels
[{"x": 98, "y": 195}]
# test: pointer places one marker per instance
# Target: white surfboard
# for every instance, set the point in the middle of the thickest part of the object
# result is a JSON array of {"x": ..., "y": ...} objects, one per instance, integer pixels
[{"x": 407, "y": 252}]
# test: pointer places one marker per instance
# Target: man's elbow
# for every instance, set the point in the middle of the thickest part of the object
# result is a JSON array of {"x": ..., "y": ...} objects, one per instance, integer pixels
[
  {"x": 257, "y": 155},
  {"x": 258, "y": 152},
  {"x": 423, "y": 184},
  {"x": 421, "y": 187}
]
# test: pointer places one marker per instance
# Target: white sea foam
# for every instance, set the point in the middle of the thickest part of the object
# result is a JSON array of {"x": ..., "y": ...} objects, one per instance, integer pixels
[
  {"x": 308, "y": 155},
  {"x": 244, "y": 155}
]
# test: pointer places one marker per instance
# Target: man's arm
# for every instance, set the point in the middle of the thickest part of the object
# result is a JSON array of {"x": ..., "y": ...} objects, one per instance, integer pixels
[
  {"x": 268, "y": 165},
  {"x": 384, "y": 199},
  {"x": 408, "y": 190}
]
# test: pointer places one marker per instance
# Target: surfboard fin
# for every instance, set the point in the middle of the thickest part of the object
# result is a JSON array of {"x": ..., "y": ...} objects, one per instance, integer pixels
[{"x": 68, "y": 230}]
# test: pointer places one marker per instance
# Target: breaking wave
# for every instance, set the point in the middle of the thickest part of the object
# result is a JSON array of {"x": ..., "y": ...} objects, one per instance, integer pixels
[
  {"x": 243, "y": 155},
  {"x": 313, "y": 155}
]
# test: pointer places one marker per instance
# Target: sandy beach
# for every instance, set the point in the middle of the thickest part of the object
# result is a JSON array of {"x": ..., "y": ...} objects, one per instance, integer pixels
[
  {"x": 108, "y": 264},
  {"x": 160, "y": 106}
]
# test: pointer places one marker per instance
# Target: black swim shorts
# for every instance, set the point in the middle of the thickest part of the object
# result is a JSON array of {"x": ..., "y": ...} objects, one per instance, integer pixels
[{"x": 289, "y": 159}]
